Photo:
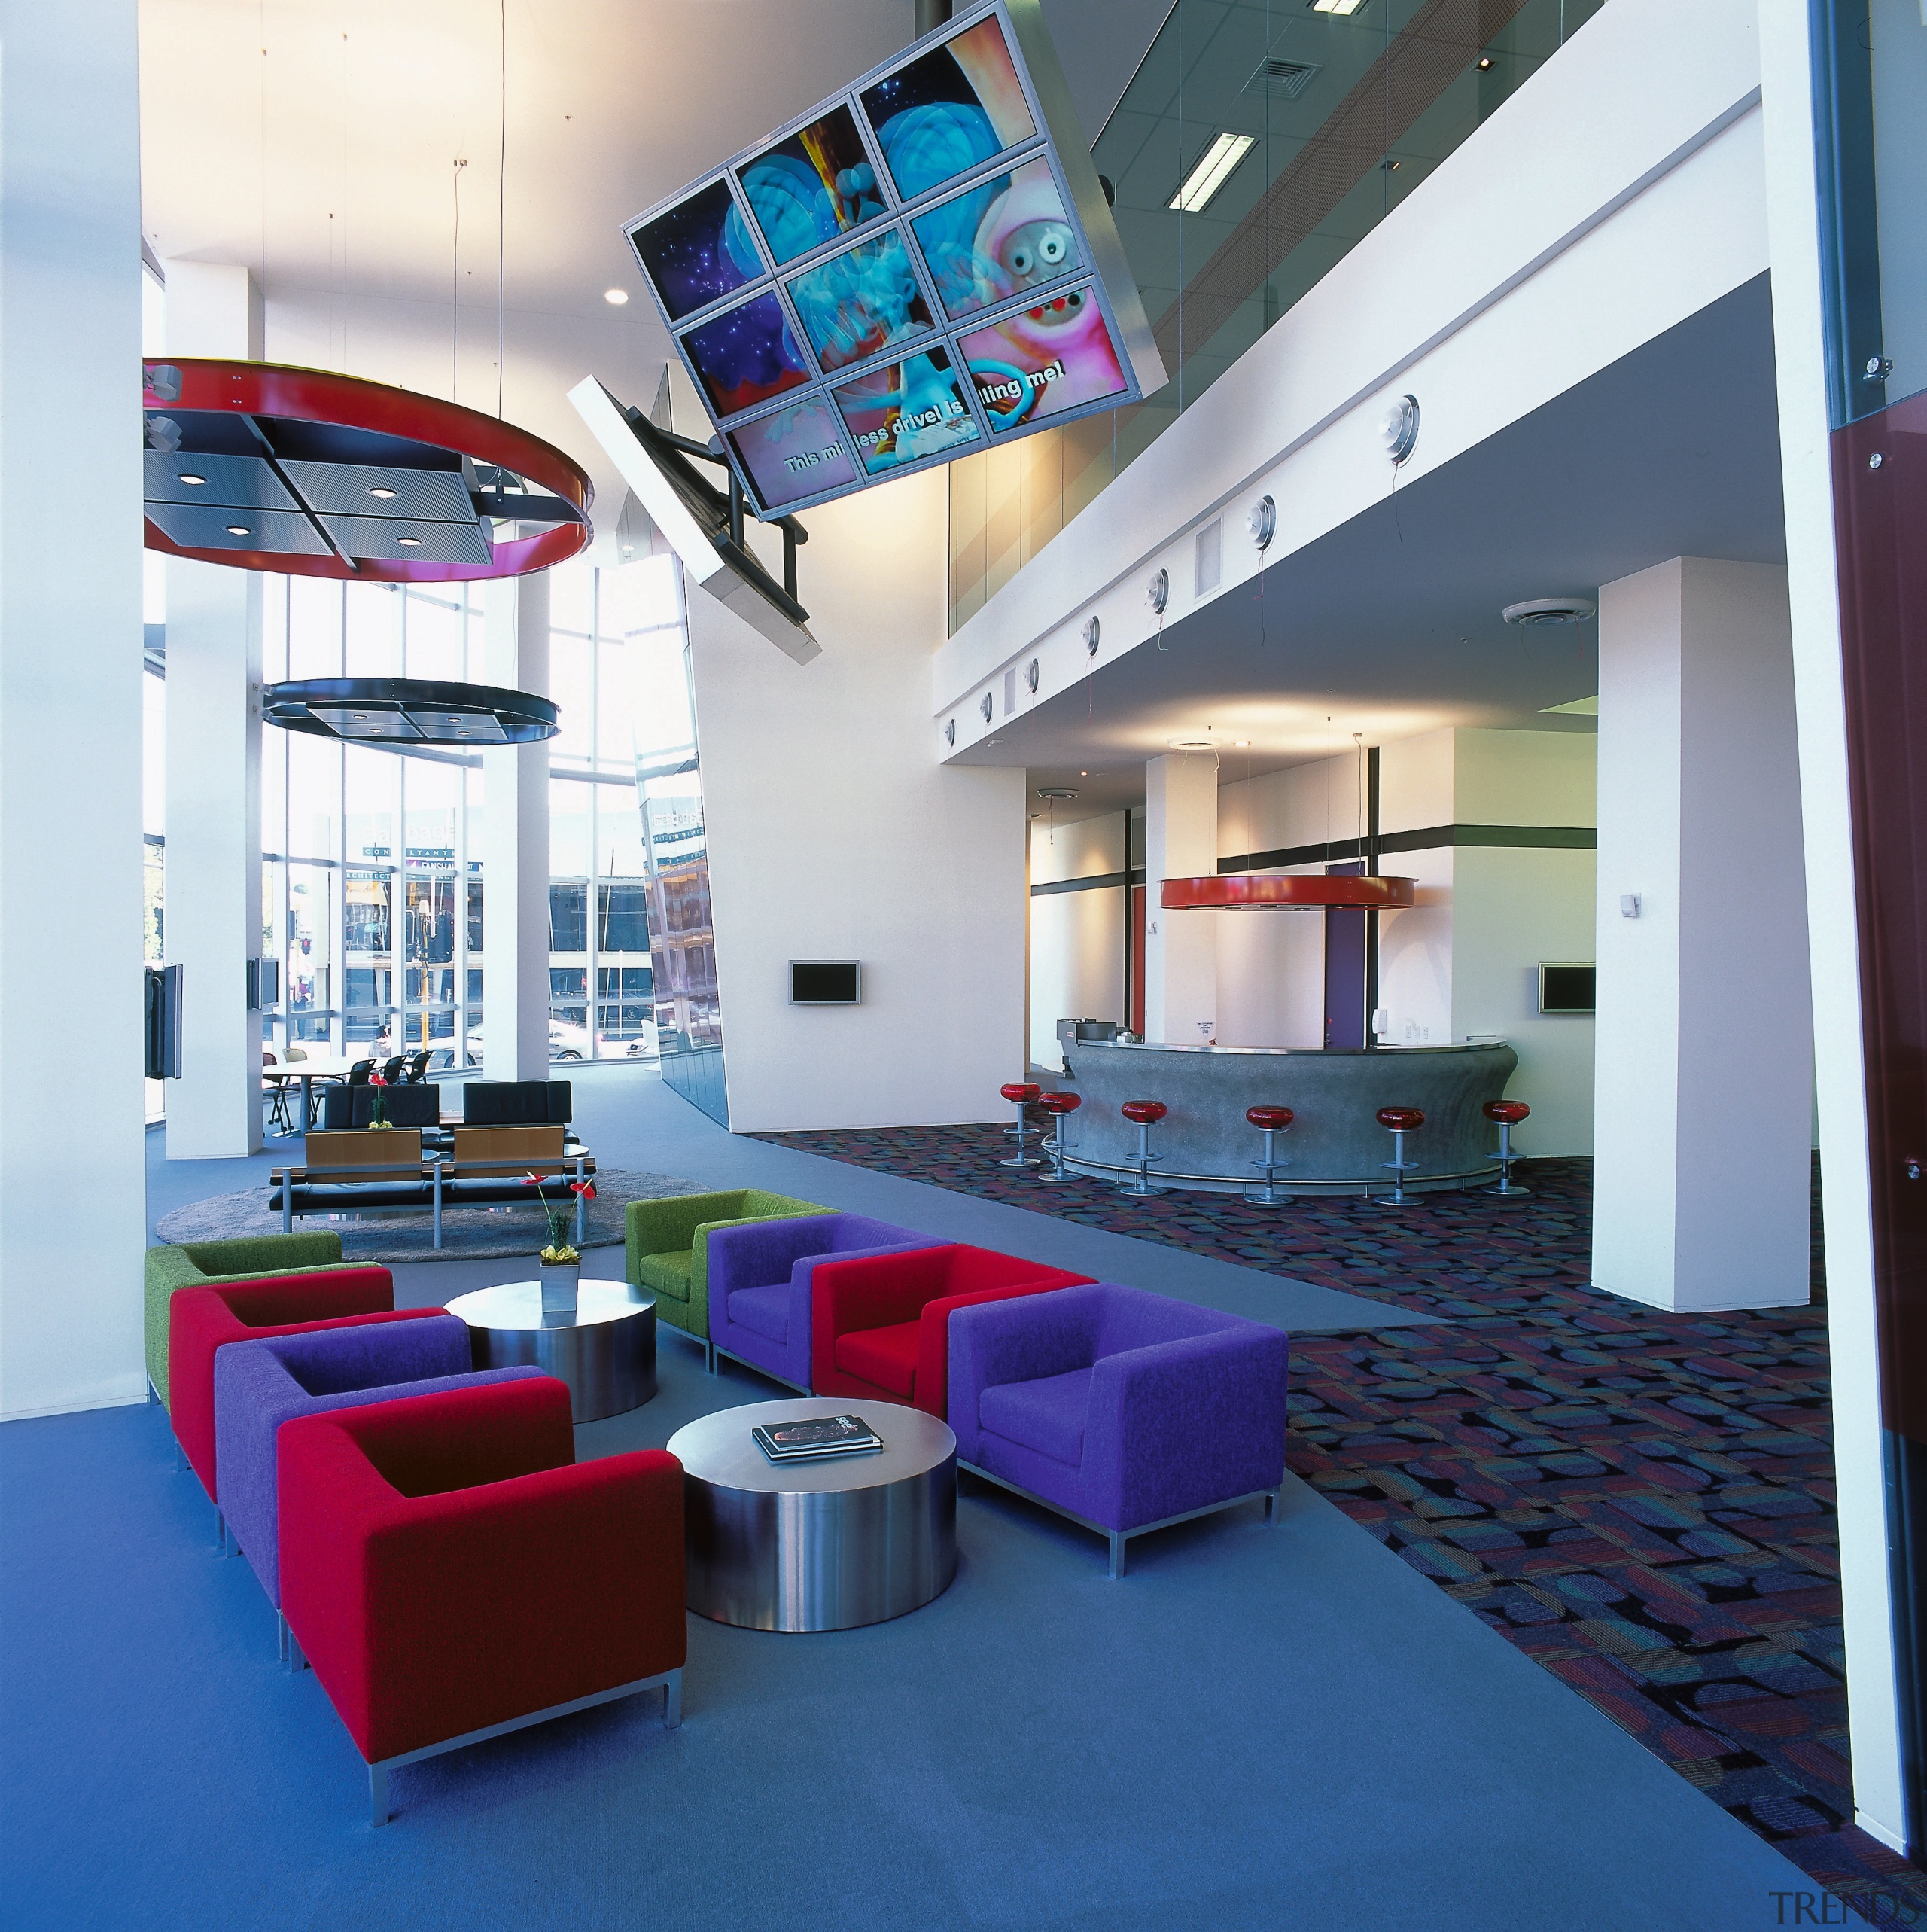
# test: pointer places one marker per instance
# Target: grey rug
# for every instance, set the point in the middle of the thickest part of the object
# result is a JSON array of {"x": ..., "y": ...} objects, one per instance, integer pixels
[{"x": 468, "y": 1234}]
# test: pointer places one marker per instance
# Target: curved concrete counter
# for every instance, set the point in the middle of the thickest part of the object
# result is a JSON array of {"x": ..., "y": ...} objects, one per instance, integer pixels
[{"x": 1335, "y": 1146}]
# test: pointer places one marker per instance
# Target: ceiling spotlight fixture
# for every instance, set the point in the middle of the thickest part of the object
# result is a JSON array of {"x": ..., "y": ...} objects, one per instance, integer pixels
[
  {"x": 410, "y": 542},
  {"x": 1342, "y": 10},
  {"x": 1398, "y": 428},
  {"x": 984, "y": 707},
  {"x": 239, "y": 530},
  {"x": 1538, "y": 610},
  {"x": 382, "y": 491},
  {"x": 1157, "y": 591},
  {"x": 1092, "y": 630},
  {"x": 188, "y": 477},
  {"x": 1484, "y": 62},
  {"x": 1032, "y": 672},
  {"x": 1212, "y": 170},
  {"x": 1263, "y": 522},
  {"x": 615, "y": 297},
  {"x": 950, "y": 731},
  {"x": 1056, "y": 791}
]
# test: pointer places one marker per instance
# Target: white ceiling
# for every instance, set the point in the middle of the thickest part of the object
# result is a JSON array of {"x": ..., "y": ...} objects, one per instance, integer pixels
[
  {"x": 1390, "y": 625},
  {"x": 326, "y": 164}
]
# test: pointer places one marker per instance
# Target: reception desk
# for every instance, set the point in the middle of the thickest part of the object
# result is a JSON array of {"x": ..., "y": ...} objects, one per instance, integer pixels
[{"x": 1334, "y": 1146}]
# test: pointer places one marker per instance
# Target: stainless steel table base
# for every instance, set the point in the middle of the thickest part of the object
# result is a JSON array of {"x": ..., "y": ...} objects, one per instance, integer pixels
[
  {"x": 605, "y": 1351},
  {"x": 818, "y": 1546},
  {"x": 1117, "y": 1538}
]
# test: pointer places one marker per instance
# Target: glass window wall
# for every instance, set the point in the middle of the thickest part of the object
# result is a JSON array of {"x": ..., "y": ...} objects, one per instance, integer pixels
[{"x": 375, "y": 888}]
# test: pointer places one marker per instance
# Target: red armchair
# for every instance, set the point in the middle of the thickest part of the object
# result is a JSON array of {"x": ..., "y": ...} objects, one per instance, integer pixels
[
  {"x": 880, "y": 1326},
  {"x": 199, "y": 1320},
  {"x": 451, "y": 1573}
]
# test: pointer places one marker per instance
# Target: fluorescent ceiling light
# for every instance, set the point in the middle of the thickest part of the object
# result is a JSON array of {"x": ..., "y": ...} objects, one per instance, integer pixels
[
  {"x": 1343, "y": 8},
  {"x": 1214, "y": 169}
]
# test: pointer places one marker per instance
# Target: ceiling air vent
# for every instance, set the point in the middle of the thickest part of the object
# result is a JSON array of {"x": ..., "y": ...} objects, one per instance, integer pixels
[{"x": 1288, "y": 77}]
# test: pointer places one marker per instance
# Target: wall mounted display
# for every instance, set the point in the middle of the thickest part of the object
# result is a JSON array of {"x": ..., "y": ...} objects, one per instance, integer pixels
[
  {"x": 923, "y": 263},
  {"x": 314, "y": 474}
]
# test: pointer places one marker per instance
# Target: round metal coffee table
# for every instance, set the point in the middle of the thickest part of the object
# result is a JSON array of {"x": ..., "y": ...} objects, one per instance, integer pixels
[
  {"x": 605, "y": 1351},
  {"x": 817, "y": 1546}
]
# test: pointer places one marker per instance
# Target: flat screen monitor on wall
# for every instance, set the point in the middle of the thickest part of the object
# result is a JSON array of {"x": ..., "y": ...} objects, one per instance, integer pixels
[
  {"x": 1566, "y": 988},
  {"x": 924, "y": 265},
  {"x": 826, "y": 982}
]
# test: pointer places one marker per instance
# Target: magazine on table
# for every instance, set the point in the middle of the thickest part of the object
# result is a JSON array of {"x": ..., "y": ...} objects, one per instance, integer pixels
[{"x": 804, "y": 1440}]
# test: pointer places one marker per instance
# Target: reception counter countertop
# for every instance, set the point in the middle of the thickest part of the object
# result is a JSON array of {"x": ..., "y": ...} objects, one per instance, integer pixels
[{"x": 1335, "y": 1144}]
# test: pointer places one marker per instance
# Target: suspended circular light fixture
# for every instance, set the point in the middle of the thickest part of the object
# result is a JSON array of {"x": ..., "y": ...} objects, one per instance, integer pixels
[
  {"x": 410, "y": 710},
  {"x": 314, "y": 474},
  {"x": 1255, "y": 891}
]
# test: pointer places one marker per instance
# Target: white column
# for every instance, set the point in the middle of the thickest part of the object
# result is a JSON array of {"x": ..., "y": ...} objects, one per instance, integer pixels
[
  {"x": 73, "y": 1210},
  {"x": 514, "y": 868},
  {"x": 1180, "y": 948},
  {"x": 1800, "y": 359},
  {"x": 1703, "y": 1074},
  {"x": 213, "y": 923}
]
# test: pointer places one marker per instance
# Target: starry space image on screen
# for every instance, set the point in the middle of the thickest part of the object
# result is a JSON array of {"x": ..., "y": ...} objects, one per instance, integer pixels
[{"x": 687, "y": 252}]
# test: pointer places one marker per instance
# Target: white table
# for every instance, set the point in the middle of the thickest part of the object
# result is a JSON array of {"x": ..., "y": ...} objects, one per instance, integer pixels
[{"x": 309, "y": 1070}]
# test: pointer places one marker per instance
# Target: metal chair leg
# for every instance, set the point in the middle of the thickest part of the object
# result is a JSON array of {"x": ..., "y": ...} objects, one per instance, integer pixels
[
  {"x": 1117, "y": 1554},
  {"x": 378, "y": 1795},
  {"x": 672, "y": 1702}
]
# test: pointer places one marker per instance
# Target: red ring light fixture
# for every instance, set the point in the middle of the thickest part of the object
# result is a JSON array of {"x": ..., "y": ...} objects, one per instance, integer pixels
[
  {"x": 314, "y": 474},
  {"x": 1254, "y": 891}
]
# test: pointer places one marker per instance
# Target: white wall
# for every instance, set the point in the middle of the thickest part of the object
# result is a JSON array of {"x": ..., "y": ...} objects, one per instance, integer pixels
[
  {"x": 833, "y": 833},
  {"x": 1513, "y": 910},
  {"x": 1077, "y": 938},
  {"x": 73, "y": 1220},
  {"x": 1464, "y": 959}
]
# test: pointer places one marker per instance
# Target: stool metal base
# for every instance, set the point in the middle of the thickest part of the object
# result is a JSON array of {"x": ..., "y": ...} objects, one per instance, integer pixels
[
  {"x": 1141, "y": 1185},
  {"x": 1268, "y": 1196},
  {"x": 1507, "y": 1189}
]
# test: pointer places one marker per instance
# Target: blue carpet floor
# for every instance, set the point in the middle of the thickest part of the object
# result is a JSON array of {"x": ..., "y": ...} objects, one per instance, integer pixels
[{"x": 1261, "y": 1727}]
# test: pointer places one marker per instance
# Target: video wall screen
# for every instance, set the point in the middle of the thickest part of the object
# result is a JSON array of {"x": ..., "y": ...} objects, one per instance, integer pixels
[{"x": 922, "y": 266}]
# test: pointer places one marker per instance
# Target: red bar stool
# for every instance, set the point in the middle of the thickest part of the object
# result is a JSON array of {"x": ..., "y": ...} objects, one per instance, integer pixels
[
  {"x": 1508, "y": 1114},
  {"x": 1400, "y": 1121},
  {"x": 1022, "y": 1092},
  {"x": 1146, "y": 1113},
  {"x": 1268, "y": 1121},
  {"x": 1060, "y": 1106}
]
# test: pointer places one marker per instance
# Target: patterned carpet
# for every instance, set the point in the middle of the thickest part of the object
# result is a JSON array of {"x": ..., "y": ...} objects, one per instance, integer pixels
[{"x": 1643, "y": 1503}]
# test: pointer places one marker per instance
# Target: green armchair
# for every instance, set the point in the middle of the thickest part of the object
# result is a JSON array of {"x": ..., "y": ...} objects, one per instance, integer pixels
[
  {"x": 667, "y": 1248},
  {"x": 200, "y": 1264}
]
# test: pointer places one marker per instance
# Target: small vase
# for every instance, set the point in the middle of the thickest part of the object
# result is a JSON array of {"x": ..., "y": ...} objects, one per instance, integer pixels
[{"x": 559, "y": 1286}]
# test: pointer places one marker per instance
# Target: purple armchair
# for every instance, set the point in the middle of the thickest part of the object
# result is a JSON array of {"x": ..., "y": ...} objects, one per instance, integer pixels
[
  {"x": 259, "y": 1386},
  {"x": 761, "y": 1276},
  {"x": 1124, "y": 1411}
]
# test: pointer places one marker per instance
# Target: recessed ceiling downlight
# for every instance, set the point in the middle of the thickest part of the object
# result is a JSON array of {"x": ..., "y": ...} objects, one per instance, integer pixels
[
  {"x": 1537, "y": 611},
  {"x": 239, "y": 530},
  {"x": 189, "y": 476},
  {"x": 382, "y": 491},
  {"x": 1056, "y": 791},
  {"x": 1194, "y": 744},
  {"x": 410, "y": 542}
]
